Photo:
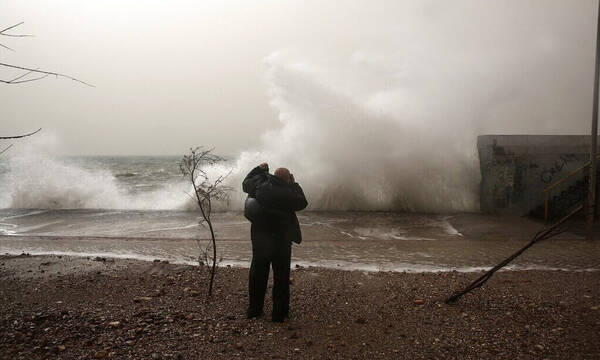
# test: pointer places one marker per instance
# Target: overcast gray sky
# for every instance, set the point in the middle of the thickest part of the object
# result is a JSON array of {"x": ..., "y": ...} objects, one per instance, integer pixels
[{"x": 173, "y": 74}]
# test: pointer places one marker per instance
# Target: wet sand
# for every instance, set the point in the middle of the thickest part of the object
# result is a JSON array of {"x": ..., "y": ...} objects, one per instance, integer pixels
[
  {"x": 339, "y": 240},
  {"x": 73, "y": 307}
]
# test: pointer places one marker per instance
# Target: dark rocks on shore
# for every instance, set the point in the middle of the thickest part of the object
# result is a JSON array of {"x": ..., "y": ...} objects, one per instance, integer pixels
[{"x": 132, "y": 310}]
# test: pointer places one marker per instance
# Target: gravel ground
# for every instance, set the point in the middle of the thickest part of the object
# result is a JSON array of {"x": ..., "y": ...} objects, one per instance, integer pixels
[{"x": 72, "y": 308}]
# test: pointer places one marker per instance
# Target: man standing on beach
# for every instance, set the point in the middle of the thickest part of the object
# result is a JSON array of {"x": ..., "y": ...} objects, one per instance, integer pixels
[{"x": 272, "y": 234}]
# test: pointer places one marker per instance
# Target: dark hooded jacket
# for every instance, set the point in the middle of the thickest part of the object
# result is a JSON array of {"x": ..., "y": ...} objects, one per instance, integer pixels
[{"x": 279, "y": 202}]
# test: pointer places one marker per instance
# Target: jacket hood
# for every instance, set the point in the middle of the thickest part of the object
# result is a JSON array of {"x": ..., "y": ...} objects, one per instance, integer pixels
[{"x": 276, "y": 180}]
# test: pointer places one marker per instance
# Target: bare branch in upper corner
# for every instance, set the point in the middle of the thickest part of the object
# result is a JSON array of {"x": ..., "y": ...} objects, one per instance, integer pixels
[
  {"x": 45, "y": 73},
  {"x": 3, "y": 32},
  {"x": 21, "y": 78},
  {"x": 6, "y": 148},
  {"x": 6, "y": 47},
  {"x": 20, "y": 136}
]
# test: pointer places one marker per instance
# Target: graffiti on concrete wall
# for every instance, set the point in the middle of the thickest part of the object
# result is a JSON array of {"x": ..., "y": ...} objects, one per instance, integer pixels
[
  {"x": 501, "y": 177},
  {"x": 548, "y": 174},
  {"x": 515, "y": 173},
  {"x": 511, "y": 180}
]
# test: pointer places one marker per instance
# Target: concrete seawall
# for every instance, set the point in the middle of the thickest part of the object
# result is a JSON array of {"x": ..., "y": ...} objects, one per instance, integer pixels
[{"x": 515, "y": 169}]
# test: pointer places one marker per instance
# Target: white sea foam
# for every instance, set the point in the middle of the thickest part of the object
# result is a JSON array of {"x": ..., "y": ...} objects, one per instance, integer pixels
[
  {"x": 189, "y": 226},
  {"x": 339, "y": 265},
  {"x": 37, "y": 179},
  {"x": 8, "y": 229}
]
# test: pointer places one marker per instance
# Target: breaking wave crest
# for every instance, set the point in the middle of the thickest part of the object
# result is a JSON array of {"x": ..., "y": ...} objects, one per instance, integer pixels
[
  {"x": 45, "y": 182},
  {"x": 349, "y": 156}
]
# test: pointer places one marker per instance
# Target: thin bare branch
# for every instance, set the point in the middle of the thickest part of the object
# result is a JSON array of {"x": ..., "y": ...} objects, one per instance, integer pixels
[
  {"x": 3, "y": 32},
  {"x": 20, "y": 136},
  {"x": 24, "y": 81},
  {"x": 541, "y": 235},
  {"x": 6, "y": 148},
  {"x": 6, "y": 47},
  {"x": 18, "y": 80},
  {"x": 12, "y": 27},
  {"x": 45, "y": 72},
  {"x": 21, "y": 76},
  {"x": 190, "y": 196}
]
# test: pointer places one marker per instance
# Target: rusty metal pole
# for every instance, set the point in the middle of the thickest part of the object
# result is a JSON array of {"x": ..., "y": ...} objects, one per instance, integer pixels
[{"x": 594, "y": 148}]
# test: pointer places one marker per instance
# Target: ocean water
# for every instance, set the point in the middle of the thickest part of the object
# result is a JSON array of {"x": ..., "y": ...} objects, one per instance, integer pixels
[
  {"x": 100, "y": 182},
  {"x": 136, "y": 207}
]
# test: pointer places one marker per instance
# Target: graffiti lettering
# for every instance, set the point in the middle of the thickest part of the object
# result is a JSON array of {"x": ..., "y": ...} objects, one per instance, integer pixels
[{"x": 548, "y": 173}]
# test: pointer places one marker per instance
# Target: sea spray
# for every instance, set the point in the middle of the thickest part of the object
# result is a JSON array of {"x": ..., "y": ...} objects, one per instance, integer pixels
[
  {"x": 35, "y": 176},
  {"x": 392, "y": 124},
  {"x": 349, "y": 157}
]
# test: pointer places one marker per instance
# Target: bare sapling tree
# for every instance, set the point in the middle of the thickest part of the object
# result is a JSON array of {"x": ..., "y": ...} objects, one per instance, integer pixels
[{"x": 207, "y": 191}]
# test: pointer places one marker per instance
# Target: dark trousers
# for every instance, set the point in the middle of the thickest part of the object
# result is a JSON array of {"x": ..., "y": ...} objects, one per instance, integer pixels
[{"x": 269, "y": 248}]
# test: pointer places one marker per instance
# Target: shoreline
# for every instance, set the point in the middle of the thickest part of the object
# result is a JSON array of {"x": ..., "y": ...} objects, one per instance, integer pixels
[
  {"x": 355, "y": 241},
  {"x": 372, "y": 268},
  {"x": 73, "y": 307}
]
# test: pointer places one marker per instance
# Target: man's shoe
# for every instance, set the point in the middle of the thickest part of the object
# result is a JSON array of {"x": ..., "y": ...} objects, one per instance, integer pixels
[
  {"x": 254, "y": 314},
  {"x": 279, "y": 318}
]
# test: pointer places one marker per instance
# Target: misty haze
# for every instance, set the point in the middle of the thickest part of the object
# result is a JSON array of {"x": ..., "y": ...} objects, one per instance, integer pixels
[{"x": 403, "y": 152}]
